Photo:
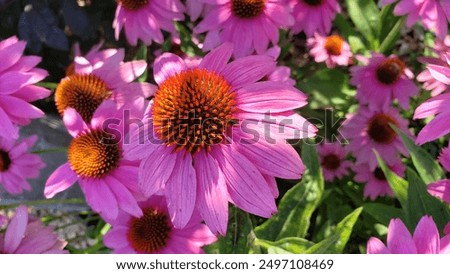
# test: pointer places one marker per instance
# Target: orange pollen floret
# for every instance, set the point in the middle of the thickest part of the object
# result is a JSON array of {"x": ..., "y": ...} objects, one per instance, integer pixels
[
  {"x": 94, "y": 154},
  {"x": 247, "y": 8},
  {"x": 389, "y": 71},
  {"x": 84, "y": 93},
  {"x": 150, "y": 232},
  {"x": 193, "y": 110},
  {"x": 379, "y": 129},
  {"x": 333, "y": 44},
  {"x": 133, "y": 4}
]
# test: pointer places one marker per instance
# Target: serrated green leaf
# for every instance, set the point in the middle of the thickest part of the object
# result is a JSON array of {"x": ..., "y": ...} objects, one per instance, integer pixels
[
  {"x": 337, "y": 242},
  {"x": 427, "y": 167},
  {"x": 366, "y": 17},
  {"x": 237, "y": 239},
  {"x": 382, "y": 213},
  {"x": 421, "y": 203},
  {"x": 298, "y": 204},
  {"x": 398, "y": 185}
]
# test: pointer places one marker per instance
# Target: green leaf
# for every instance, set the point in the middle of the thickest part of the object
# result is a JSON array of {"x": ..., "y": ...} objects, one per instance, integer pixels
[
  {"x": 327, "y": 87},
  {"x": 421, "y": 203},
  {"x": 392, "y": 37},
  {"x": 366, "y": 17},
  {"x": 237, "y": 239},
  {"x": 298, "y": 204},
  {"x": 290, "y": 245},
  {"x": 427, "y": 167},
  {"x": 337, "y": 242},
  {"x": 187, "y": 46},
  {"x": 382, "y": 213},
  {"x": 142, "y": 55},
  {"x": 349, "y": 33},
  {"x": 398, "y": 185}
]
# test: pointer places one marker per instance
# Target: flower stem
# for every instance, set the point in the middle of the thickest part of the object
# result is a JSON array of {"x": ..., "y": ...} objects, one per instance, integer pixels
[{"x": 45, "y": 202}]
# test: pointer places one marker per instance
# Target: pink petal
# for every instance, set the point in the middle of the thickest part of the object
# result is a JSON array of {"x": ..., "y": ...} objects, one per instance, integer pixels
[
  {"x": 269, "y": 96},
  {"x": 61, "y": 179},
  {"x": 12, "y": 81},
  {"x": 399, "y": 240},
  {"x": 73, "y": 122},
  {"x": 438, "y": 127},
  {"x": 124, "y": 198},
  {"x": 246, "y": 186},
  {"x": 212, "y": 194},
  {"x": 181, "y": 189},
  {"x": 167, "y": 65},
  {"x": 16, "y": 229},
  {"x": 426, "y": 236},
  {"x": 217, "y": 59},
  {"x": 440, "y": 189},
  {"x": 248, "y": 70},
  {"x": 154, "y": 171},
  {"x": 100, "y": 197},
  {"x": 375, "y": 246},
  {"x": 7, "y": 129}
]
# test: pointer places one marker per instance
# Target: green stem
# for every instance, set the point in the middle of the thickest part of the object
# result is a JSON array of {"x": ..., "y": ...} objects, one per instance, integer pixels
[
  {"x": 48, "y": 85},
  {"x": 45, "y": 202},
  {"x": 50, "y": 150}
]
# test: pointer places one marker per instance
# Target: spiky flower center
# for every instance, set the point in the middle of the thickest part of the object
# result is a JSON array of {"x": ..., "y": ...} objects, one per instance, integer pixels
[
  {"x": 379, "y": 174},
  {"x": 333, "y": 44},
  {"x": 379, "y": 128},
  {"x": 331, "y": 161},
  {"x": 193, "y": 110},
  {"x": 150, "y": 232},
  {"x": 84, "y": 93},
  {"x": 133, "y": 4},
  {"x": 247, "y": 8},
  {"x": 5, "y": 161},
  {"x": 313, "y": 2},
  {"x": 94, "y": 154},
  {"x": 390, "y": 70}
]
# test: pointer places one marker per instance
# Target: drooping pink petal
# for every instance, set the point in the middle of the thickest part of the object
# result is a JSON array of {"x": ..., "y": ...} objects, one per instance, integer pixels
[
  {"x": 73, "y": 122},
  {"x": 212, "y": 194},
  {"x": 16, "y": 229},
  {"x": 181, "y": 190},
  {"x": 61, "y": 179}
]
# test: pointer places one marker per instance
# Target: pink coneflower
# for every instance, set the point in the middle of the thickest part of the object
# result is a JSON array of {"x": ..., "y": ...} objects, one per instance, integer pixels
[
  {"x": 17, "y": 164},
  {"x": 439, "y": 125},
  {"x": 144, "y": 19},
  {"x": 370, "y": 129},
  {"x": 154, "y": 233},
  {"x": 434, "y": 14},
  {"x": 25, "y": 235},
  {"x": 376, "y": 184},
  {"x": 102, "y": 75},
  {"x": 382, "y": 80},
  {"x": 249, "y": 24},
  {"x": 18, "y": 74},
  {"x": 313, "y": 16},
  {"x": 332, "y": 50},
  {"x": 216, "y": 129},
  {"x": 95, "y": 160},
  {"x": 333, "y": 162},
  {"x": 425, "y": 240}
]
